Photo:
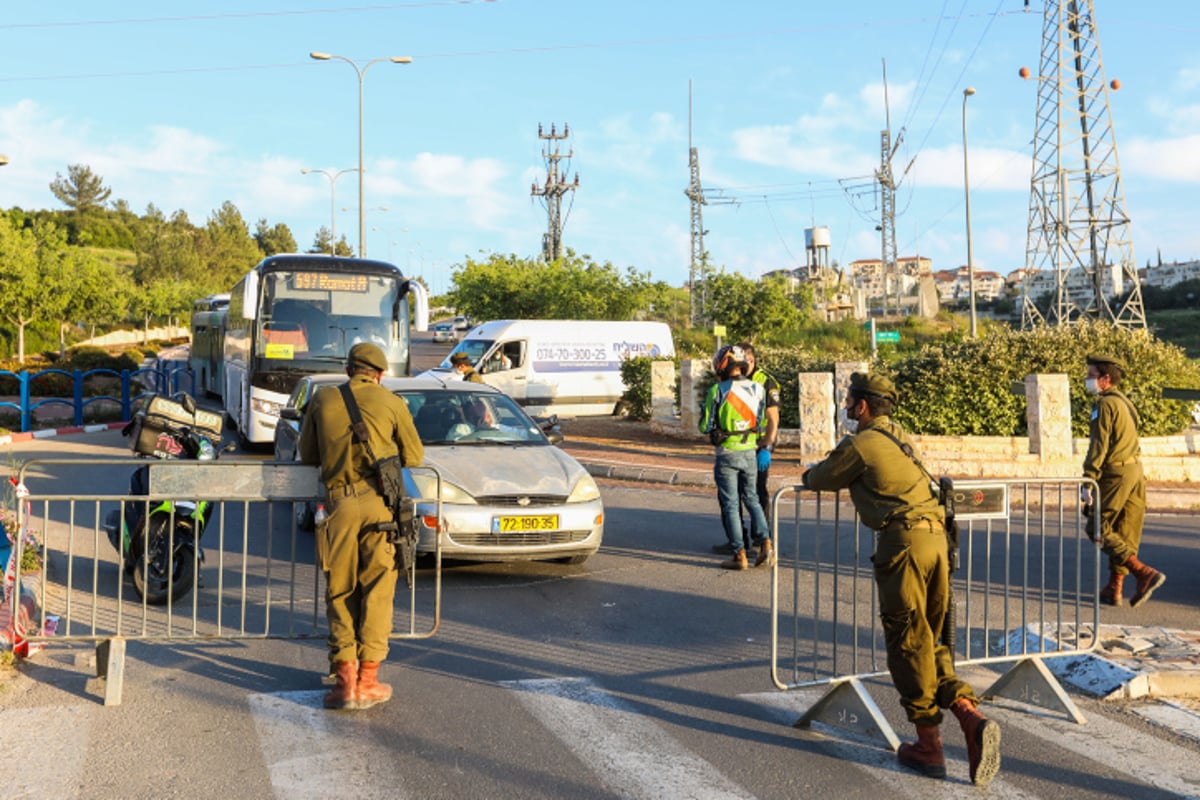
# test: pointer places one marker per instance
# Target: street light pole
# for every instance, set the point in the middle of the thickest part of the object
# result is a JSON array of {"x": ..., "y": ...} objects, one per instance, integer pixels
[
  {"x": 967, "y": 188},
  {"x": 361, "y": 71},
  {"x": 332, "y": 201}
]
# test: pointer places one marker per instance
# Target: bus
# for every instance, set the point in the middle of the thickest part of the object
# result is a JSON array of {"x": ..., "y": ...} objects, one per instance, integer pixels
[
  {"x": 208, "y": 343},
  {"x": 299, "y": 314}
]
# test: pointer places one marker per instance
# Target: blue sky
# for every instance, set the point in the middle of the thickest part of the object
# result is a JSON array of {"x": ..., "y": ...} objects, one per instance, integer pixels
[{"x": 187, "y": 105}]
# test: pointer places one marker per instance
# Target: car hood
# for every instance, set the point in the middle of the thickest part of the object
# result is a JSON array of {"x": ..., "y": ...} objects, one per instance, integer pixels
[{"x": 494, "y": 469}]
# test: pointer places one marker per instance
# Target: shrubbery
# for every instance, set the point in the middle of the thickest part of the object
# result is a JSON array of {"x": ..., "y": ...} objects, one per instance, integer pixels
[{"x": 962, "y": 387}]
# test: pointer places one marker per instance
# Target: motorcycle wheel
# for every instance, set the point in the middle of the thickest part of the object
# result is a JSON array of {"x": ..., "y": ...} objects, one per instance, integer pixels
[{"x": 157, "y": 578}]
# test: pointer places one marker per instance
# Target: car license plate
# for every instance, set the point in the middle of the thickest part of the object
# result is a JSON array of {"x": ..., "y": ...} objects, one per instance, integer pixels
[{"x": 525, "y": 523}]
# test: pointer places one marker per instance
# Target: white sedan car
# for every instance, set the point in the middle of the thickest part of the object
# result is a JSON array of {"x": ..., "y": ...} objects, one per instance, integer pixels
[{"x": 507, "y": 492}]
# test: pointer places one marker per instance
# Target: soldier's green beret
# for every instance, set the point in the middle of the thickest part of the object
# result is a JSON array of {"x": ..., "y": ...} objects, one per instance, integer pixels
[
  {"x": 1104, "y": 358},
  {"x": 862, "y": 383},
  {"x": 367, "y": 355}
]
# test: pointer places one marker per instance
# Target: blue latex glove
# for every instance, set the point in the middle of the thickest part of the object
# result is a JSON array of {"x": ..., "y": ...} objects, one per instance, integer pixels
[{"x": 764, "y": 460}]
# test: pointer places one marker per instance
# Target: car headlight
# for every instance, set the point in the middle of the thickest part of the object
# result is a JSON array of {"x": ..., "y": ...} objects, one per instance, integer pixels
[
  {"x": 585, "y": 491},
  {"x": 426, "y": 483},
  {"x": 268, "y": 407}
]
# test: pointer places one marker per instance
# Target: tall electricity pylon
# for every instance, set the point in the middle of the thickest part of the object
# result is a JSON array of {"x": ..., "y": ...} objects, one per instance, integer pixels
[
  {"x": 887, "y": 204},
  {"x": 1077, "y": 220},
  {"x": 553, "y": 190},
  {"x": 695, "y": 193}
]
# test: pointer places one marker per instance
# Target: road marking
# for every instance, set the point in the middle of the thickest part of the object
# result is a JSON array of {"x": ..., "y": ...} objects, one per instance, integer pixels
[
  {"x": 44, "y": 750},
  {"x": 874, "y": 758},
  {"x": 629, "y": 753},
  {"x": 313, "y": 754}
]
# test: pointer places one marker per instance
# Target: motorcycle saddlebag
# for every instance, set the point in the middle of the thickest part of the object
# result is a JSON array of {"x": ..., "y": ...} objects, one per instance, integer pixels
[{"x": 152, "y": 426}]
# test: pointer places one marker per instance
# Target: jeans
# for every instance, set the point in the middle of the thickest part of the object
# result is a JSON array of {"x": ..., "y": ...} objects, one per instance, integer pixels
[{"x": 736, "y": 475}]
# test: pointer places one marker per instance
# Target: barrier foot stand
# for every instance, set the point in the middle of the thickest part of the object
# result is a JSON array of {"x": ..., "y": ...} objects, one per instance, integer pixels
[
  {"x": 1030, "y": 681},
  {"x": 847, "y": 705},
  {"x": 110, "y": 665}
]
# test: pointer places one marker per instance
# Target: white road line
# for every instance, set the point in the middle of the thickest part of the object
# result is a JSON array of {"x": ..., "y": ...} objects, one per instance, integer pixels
[
  {"x": 312, "y": 753},
  {"x": 44, "y": 749},
  {"x": 630, "y": 754},
  {"x": 874, "y": 757}
]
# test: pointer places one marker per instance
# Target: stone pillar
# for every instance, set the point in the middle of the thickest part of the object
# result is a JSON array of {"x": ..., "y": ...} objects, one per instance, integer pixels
[
  {"x": 1048, "y": 415},
  {"x": 818, "y": 415},
  {"x": 662, "y": 391},
  {"x": 691, "y": 371}
]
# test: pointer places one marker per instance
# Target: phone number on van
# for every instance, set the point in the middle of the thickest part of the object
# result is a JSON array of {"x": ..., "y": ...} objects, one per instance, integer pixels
[{"x": 571, "y": 354}]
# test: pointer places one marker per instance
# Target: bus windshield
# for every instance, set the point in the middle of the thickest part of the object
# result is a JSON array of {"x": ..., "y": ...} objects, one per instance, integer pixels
[{"x": 321, "y": 315}]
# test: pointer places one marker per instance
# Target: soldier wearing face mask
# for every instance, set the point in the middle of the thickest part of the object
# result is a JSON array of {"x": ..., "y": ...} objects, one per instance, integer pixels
[
  {"x": 1114, "y": 462},
  {"x": 892, "y": 495}
]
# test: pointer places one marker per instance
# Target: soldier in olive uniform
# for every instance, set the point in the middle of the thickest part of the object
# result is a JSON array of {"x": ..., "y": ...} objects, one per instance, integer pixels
[
  {"x": 461, "y": 363},
  {"x": 357, "y": 558},
  {"x": 892, "y": 494},
  {"x": 1114, "y": 462}
]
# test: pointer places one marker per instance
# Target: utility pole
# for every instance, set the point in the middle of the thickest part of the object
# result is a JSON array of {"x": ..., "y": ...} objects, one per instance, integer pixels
[
  {"x": 553, "y": 190},
  {"x": 887, "y": 201},
  {"x": 695, "y": 194},
  {"x": 1077, "y": 219}
]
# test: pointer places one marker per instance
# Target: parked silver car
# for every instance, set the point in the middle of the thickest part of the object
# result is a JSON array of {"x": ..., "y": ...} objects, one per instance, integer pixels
[
  {"x": 444, "y": 332},
  {"x": 507, "y": 492}
]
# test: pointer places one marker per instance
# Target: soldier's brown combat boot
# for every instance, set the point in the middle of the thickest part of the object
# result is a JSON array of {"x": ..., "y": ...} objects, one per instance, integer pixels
[
  {"x": 1110, "y": 595},
  {"x": 766, "y": 554},
  {"x": 925, "y": 754},
  {"x": 1148, "y": 579},
  {"x": 342, "y": 694},
  {"x": 738, "y": 561},
  {"x": 983, "y": 741},
  {"x": 370, "y": 691}
]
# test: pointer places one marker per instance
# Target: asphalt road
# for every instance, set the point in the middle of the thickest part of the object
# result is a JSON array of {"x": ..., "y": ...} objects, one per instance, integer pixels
[{"x": 641, "y": 674}]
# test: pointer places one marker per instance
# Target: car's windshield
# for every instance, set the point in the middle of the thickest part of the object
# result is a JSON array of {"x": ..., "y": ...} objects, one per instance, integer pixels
[
  {"x": 447, "y": 417},
  {"x": 474, "y": 348}
]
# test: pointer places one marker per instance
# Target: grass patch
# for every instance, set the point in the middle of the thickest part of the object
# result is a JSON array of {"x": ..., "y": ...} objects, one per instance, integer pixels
[{"x": 1179, "y": 326}]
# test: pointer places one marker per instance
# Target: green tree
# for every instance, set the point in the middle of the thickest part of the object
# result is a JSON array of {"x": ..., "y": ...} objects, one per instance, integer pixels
[
  {"x": 323, "y": 243},
  {"x": 226, "y": 249},
  {"x": 754, "y": 310},
  {"x": 573, "y": 287},
  {"x": 81, "y": 190},
  {"x": 166, "y": 250},
  {"x": 274, "y": 239},
  {"x": 30, "y": 283},
  {"x": 95, "y": 291}
]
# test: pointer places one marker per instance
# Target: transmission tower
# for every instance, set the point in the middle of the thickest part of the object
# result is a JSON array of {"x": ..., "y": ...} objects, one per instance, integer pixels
[
  {"x": 1077, "y": 222},
  {"x": 887, "y": 203},
  {"x": 695, "y": 193},
  {"x": 553, "y": 190}
]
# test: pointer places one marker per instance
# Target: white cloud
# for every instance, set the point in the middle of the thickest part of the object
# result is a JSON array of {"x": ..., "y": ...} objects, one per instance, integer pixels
[{"x": 1176, "y": 160}]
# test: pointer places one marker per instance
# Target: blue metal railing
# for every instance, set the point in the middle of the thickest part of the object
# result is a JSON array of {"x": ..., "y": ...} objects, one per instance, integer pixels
[{"x": 161, "y": 377}]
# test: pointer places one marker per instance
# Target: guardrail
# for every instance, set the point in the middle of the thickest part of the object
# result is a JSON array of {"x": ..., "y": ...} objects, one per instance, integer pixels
[
  {"x": 258, "y": 578},
  {"x": 167, "y": 377},
  {"x": 1027, "y": 588}
]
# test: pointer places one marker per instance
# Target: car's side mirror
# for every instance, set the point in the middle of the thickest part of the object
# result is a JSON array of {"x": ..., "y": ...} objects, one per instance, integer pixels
[
  {"x": 549, "y": 426},
  {"x": 293, "y": 414}
]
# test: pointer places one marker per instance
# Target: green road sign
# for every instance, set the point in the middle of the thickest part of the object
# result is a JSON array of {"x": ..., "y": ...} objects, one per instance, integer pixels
[{"x": 887, "y": 336}]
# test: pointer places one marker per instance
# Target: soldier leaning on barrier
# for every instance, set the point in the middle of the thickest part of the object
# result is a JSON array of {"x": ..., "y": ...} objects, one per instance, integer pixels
[
  {"x": 352, "y": 544},
  {"x": 892, "y": 495},
  {"x": 1114, "y": 462}
]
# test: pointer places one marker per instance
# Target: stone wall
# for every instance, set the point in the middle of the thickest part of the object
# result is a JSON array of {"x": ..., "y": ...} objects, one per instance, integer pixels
[{"x": 1048, "y": 452}]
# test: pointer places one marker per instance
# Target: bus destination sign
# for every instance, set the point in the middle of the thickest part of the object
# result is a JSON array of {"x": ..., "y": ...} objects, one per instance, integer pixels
[{"x": 330, "y": 282}]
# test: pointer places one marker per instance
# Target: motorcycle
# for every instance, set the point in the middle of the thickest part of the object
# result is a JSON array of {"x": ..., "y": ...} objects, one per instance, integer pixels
[{"x": 159, "y": 541}]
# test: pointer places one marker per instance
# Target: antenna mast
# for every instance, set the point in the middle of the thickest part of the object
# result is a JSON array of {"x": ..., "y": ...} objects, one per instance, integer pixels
[{"x": 695, "y": 194}]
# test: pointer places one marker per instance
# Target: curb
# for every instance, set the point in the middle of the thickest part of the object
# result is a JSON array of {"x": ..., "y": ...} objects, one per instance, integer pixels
[{"x": 50, "y": 433}]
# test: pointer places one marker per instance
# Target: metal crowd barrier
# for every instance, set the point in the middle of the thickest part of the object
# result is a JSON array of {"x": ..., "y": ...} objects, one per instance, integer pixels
[
  {"x": 1027, "y": 588},
  {"x": 258, "y": 579}
]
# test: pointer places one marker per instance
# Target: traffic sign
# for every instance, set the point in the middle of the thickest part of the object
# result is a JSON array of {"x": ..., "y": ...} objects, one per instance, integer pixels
[{"x": 887, "y": 336}]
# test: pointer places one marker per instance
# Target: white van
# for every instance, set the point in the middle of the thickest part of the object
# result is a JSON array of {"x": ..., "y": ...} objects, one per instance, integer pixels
[{"x": 567, "y": 367}]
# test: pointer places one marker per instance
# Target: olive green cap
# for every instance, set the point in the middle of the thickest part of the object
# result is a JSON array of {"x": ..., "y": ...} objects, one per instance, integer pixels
[
  {"x": 460, "y": 358},
  {"x": 367, "y": 355},
  {"x": 862, "y": 383},
  {"x": 1105, "y": 358}
]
